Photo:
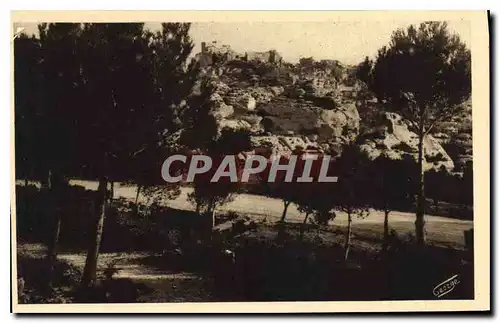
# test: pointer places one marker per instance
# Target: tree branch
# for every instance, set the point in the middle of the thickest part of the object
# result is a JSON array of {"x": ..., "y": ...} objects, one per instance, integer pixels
[
  {"x": 410, "y": 119},
  {"x": 429, "y": 129}
]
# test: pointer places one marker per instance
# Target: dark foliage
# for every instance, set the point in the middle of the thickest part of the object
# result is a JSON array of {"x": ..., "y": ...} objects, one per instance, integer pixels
[
  {"x": 123, "y": 229},
  {"x": 292, "y": 270},
  {"x": 32, "y": 287}
]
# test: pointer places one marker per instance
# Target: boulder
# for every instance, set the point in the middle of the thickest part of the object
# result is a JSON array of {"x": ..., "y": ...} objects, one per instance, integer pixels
[
  {"x": 220, "y": 110},
  {"x": 254, "y": 121},
  {"x": 277, "y": 90},
  {"x": 243, "y": 102},
  {"x": 393, "y": 136}
]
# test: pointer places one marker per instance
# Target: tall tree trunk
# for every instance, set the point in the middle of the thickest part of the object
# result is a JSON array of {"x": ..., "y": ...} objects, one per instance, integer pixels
[
  {"x": 136, "y": 205},
  {"x": 111, "y": 191},
  {"x": 305, "y": 219},
  {"x": 386, "y": 229},
  {"x": 419, "y": 221},
  {"x": 208, "y": 220},
  {"x": 137, "y": 194},
  {"x": 212, "y": 218},
  {"x": 285, "y": 208},
  {"x": 52, "y": 213},
  {"x": 89, "y": 272},
  {"x": 211, "y": 215},
  {"x": 347, "y": 243},
  {"x": 386, "y": 208},
  {"x": 57, "y": 187},
  {"x": 303, "y": 227},
  {"x": 48, "y": 184},
  {"x": 52, "y": 247}
]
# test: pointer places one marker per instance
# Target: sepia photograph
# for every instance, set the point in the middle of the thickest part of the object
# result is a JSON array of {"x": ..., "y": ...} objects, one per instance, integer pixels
[{"x": 196, "y": 160}]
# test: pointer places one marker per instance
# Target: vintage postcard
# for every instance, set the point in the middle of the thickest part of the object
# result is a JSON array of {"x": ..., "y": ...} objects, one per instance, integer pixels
[{"x": 250, "y": 162}]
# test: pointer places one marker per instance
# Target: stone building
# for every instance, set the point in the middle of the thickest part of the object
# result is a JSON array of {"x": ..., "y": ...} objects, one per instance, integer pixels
[
  {"x": 210, "y": 52},
  {"x": 270, "y": 56}
]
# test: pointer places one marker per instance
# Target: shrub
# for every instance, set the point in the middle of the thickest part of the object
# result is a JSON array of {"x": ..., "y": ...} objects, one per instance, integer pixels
[{"x": 33, "y": 280}]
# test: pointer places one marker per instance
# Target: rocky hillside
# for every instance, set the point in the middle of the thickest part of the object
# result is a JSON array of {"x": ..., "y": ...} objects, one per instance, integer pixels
[{"x": 322, "y": 107}]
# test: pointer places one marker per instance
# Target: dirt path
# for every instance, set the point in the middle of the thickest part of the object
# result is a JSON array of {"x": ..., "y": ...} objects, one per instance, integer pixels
[
  {"x": 130, "y": 264},
  {"x": 164, "y": 285}
]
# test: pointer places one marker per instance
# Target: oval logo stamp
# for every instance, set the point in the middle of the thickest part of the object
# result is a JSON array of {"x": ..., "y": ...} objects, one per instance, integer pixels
[{"x": 446, "y": 287}]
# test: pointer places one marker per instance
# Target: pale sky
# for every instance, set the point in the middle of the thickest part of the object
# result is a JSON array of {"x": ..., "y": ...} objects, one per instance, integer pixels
[{"x": 348, "y": 41}]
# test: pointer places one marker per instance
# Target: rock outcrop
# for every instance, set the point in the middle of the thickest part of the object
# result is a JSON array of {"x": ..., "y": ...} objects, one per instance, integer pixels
[
  {"x": 220, "y": 110},
  {"x": 235, "y": 107},
  {"x": 286, "y": 123},
  {"x": 241, "y": 100},
  {"x": 393, "y": 137},
  {"x": 310, "y": 107},
  {"x": 285, "y": 116}
]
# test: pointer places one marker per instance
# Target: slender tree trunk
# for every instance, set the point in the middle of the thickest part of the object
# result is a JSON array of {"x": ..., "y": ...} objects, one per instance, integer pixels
[
  {"x": 52, "y": 248},
  {"x": 303, "y": 227},
  {"x": 212, "y": 218},
  {"x": 89, "y": 272},
  {"x": 419, "y": 221},
  {"x": 136, "y": 205},
  {"x": 211, "y": 214},
  {"x": 305, "y": 219},
  {"x": 137, "y": 194},
  {"x": 208, "y": 220},
  {"x": 386, "y": 208},
  {"x": 386, "y": 229},
  {"x": 111, "y": 191},
  {"x": 26, "y": 182},
  {"x": 52, "y": 254},
  {"x": 285, "y": 208},
  {"x": 53, "y": 213},
  {"x": 347, "y": 244},
  {"x": 48, "y": 185}
]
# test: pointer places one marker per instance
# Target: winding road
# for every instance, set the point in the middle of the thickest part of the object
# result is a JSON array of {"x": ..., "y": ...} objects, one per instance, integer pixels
[{"x": 440, "y": 230}]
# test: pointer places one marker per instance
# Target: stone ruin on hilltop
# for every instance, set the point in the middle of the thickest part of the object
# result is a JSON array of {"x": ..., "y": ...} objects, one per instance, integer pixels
[{"x": 212, "y": 52}]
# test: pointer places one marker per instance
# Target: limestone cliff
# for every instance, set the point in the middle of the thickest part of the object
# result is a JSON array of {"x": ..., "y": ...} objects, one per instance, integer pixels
[{"x": 286, "y": 107}]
